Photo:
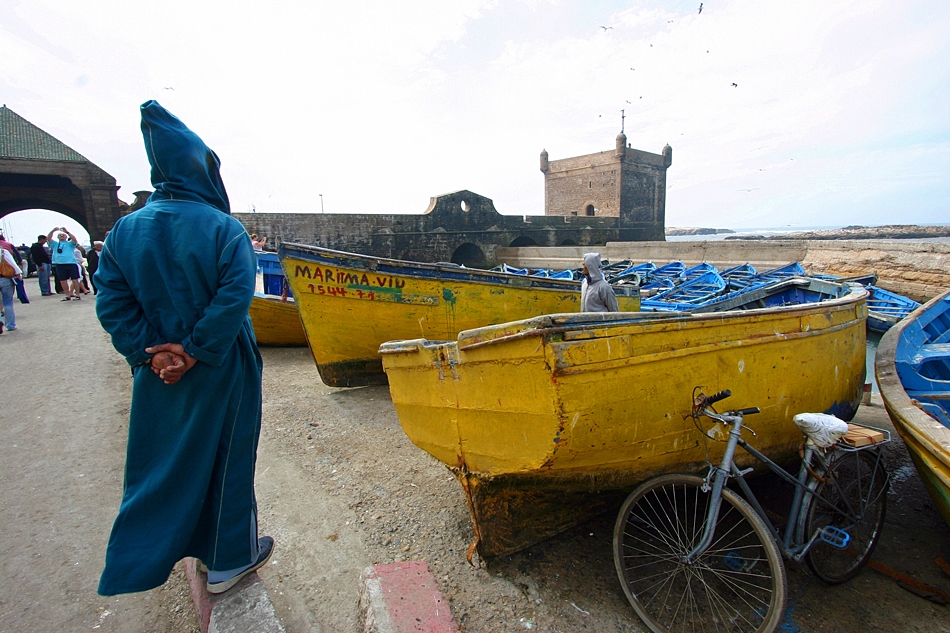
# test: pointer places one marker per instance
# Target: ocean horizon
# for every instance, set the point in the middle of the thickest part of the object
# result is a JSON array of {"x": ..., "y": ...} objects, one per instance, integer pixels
[{"x": 789, "y": 229}]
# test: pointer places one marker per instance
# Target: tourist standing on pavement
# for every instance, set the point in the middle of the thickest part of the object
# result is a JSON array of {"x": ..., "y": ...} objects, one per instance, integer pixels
[
  {"x": 9, "y": 273},
  {"x": 175, "y": 283},
  {"x": 42, "y": 262},
  {"x": 21, "y": 264},
  {"x": 80, "y": 254},
  {"x": 92, "y": 263},
  {"x": 64, "y": 259}
]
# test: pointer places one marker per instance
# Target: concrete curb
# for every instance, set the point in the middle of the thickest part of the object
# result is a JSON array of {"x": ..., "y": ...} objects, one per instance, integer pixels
[
  {"x": 401, "y": 598},
  {"x": 245, "y": 608}
]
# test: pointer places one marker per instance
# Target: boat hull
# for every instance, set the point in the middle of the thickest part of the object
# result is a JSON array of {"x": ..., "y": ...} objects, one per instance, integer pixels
[
  {"x": 276, "y": 323},
  {"x": 927, "y": 440},
  {"x": 350, "y": 304},
  {"x": 547, "y": 420}
]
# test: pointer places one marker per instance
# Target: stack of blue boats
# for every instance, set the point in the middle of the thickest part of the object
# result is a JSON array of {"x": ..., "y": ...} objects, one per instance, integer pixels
[{"x": 673, "y": 287}]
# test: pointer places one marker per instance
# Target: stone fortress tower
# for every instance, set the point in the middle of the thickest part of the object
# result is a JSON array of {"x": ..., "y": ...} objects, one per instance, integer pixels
[{"x": 625, "y": 183}]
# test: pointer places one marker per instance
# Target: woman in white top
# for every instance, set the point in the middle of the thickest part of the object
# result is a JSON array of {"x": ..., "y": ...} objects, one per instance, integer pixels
[{"x": 7, "y": 288}]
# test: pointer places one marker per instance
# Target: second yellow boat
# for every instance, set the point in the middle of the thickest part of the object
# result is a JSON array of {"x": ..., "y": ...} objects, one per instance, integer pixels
[{"x": 350, "y": 304}]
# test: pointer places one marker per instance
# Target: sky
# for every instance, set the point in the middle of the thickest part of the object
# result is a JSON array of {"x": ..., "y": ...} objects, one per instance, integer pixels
[{"x": 812, "y": 113}]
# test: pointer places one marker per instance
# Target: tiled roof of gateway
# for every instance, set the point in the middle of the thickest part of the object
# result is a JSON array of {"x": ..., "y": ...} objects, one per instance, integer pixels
[{"x": 21, "y": 139}]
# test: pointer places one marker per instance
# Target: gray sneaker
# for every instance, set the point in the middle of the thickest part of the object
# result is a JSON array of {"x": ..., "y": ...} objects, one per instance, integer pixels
[{"x": 266, "y": 544}]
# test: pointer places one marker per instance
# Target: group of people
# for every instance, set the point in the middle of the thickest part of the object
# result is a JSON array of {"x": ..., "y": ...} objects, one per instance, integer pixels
[{"x": 71, "y": 267}]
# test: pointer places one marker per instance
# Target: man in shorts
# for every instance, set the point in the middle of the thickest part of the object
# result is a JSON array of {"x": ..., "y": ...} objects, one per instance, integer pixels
[{"x": 64, "y": 261}]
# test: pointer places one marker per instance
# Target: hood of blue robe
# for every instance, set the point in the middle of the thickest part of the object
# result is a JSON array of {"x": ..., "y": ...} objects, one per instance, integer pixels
[{"x": 183, "y": 167}]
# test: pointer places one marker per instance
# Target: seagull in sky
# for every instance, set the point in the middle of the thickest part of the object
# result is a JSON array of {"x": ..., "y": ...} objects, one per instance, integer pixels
[
  {"x": 168, "y": 88},
  {"x": 700, "y": 8},
  {"x": 748, "y": 190},
  {"x": 606, "y": 28},
  {"x": 735, "y": 85}
]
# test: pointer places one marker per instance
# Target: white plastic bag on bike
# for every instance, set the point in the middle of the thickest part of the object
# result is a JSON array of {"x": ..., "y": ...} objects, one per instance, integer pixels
[{"x": 823, "y": 430}]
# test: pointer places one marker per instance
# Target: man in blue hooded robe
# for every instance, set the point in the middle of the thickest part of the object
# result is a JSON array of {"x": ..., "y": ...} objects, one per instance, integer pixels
[{"x": 175, "y": 282}]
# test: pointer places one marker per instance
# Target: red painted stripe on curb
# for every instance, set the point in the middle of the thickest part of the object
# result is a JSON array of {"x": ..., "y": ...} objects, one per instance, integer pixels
[
  {"x": 199, "y": 593},
  {"x": 412, "y": 598}
]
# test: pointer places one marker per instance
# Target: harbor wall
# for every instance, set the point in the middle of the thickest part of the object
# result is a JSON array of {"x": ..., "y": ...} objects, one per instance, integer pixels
[{"x": 920, "y": 270}]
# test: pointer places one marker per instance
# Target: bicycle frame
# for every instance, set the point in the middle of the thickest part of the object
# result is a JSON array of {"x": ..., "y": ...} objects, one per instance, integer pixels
[{"x": 719, "y": 475}]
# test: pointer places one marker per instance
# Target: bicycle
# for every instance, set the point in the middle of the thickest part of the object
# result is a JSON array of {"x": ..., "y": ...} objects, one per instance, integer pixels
[{"x": 694, "y": 555}]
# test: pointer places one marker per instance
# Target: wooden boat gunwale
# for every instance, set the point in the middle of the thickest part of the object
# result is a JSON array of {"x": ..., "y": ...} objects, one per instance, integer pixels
[
  {"x": 425, "y": 270},
  {"x": 924, "y": 436},
  {"x": 582, "y": 321}
]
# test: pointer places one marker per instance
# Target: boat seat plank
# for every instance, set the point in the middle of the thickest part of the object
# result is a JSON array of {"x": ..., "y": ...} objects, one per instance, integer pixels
[
  {"x": 934, "y": 351},
  {"x": 929, "y": 395}
]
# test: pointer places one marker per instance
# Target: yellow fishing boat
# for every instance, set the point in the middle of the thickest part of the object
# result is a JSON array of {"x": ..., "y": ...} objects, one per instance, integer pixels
[
  {"x": 536, "y": 416},
  {"x": 350, "y": 304},
  {"x": 275, "y": 322},
  {"x": 912, "y": 365}
]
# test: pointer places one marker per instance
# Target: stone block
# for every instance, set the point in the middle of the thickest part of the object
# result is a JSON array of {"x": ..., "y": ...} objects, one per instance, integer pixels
[{"x": 245, "y": 608}]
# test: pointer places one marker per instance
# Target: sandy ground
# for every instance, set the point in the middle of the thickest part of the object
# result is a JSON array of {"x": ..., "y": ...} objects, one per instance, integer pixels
[
  {"x": 340, "y": 487},
  {"x": 62, "y": 450}
]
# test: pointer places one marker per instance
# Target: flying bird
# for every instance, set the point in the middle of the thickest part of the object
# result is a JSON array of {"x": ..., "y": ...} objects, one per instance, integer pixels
[
  {"x": 168, "y": 88},
  {"x": 735, "y": 85},
  {"x": 628, "y": 102},
  {"x": 700, "y": 8},
  {"x": 748, "y": 190},
  {"x": 606, "y": 28}
]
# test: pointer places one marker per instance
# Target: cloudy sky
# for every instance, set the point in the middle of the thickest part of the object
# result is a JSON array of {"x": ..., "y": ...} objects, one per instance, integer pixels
[{"x": 840, "y": 113}]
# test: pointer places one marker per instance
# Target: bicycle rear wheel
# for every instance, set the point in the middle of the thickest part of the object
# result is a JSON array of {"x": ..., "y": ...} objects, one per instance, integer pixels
[
  {"x": 856, "y": 488},
  {"x": 738, "y": 584}
]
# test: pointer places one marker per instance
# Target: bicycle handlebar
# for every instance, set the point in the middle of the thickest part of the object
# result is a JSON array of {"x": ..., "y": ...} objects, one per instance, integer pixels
[
  {"x": 716, "y": 397},
  {"x": 748, "y": 411}
]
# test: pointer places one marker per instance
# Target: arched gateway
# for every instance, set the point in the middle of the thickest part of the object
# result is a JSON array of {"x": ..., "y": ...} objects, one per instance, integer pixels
[{"x": 37, "y": 171}]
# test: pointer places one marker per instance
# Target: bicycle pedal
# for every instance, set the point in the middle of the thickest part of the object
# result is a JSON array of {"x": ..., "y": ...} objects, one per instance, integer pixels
[
  {"x": 737, "y": 563},
  {"x": 835, "y": 537}
]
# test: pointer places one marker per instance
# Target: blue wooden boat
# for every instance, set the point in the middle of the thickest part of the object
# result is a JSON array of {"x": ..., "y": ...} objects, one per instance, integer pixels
[
  {"x": 793, "y": 269},
  {"x": 698, "y": 290},
  {"x": 740, "y": 275},
  {"x": 638, "y": 272},
  {"x": 671, "y": 272},
  {"x": 886, "y": 308},
  {"x": 912, "y": 366}
]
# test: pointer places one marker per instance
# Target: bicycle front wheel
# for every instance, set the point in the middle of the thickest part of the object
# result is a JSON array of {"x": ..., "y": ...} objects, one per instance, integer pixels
[
  {"x": 738, "y": 584},
  {"x": 852, "y": 500}
]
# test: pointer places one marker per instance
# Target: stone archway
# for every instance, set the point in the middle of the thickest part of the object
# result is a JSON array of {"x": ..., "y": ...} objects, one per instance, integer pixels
[
  {"x": 522, "y": 241},
  {"x": 469, "y": 255},
  {"x": 37, "y": 171}
]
